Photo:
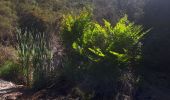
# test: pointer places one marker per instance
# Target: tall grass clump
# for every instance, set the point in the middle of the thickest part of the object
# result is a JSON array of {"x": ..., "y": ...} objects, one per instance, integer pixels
[
  {"x": 102, "y": 56},
  {"x": 35, "y": 56}
]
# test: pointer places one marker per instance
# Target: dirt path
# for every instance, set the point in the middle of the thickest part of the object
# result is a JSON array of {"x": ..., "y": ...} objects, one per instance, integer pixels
[{"x": 9, "y": 90}]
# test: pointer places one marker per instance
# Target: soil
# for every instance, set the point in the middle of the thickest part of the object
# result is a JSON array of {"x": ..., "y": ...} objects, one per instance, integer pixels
[{"x": 11, "y": 91}]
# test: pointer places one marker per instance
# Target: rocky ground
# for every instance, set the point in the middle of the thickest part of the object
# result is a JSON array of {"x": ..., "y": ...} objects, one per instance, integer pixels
[{"x": 9, "y": 90}]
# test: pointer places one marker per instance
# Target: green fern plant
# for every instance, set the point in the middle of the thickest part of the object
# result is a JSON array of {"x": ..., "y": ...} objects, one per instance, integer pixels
[
  {"x": 98, "y": 42},
  {"x": 102, "y": 52}
]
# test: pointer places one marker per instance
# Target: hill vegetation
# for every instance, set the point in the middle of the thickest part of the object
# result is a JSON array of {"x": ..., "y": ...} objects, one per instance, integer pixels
[{"x": 87, "y": 49}]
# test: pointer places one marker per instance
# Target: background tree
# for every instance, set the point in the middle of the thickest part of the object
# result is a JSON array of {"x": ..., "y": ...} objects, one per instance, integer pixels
[{"x": 8, "y": 19}]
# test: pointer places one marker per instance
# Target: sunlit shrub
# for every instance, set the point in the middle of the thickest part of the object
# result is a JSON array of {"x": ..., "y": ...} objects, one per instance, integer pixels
[
  {"x": 98, "y": 42},
  {"x": 99, "y": 54},
  {"x": 73, "y": 27}
]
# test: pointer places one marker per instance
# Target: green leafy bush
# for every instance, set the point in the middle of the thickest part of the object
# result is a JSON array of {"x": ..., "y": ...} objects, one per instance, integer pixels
[
  {"x": 97, "y": 42},
  {"x": 95, "y": 49},
  {"x": 73, "y": 27}
]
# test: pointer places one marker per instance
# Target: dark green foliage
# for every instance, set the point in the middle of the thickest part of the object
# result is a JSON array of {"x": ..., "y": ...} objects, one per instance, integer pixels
[{"x": 10, "y": 71}]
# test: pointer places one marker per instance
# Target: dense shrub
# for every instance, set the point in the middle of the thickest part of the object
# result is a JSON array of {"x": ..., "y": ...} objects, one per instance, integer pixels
[
  {"x": 97, "y": 42},
  {"x": 95, "y": 49}
]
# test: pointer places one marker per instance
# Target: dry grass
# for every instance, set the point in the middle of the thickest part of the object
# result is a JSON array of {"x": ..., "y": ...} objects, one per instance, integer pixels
[{"x": 7, "y": 54}]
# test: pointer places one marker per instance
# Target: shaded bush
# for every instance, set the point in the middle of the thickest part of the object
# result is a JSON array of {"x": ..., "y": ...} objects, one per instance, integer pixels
[
  {"x": 33, "y": 17},
  {"x": 11, "y": 71}
]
